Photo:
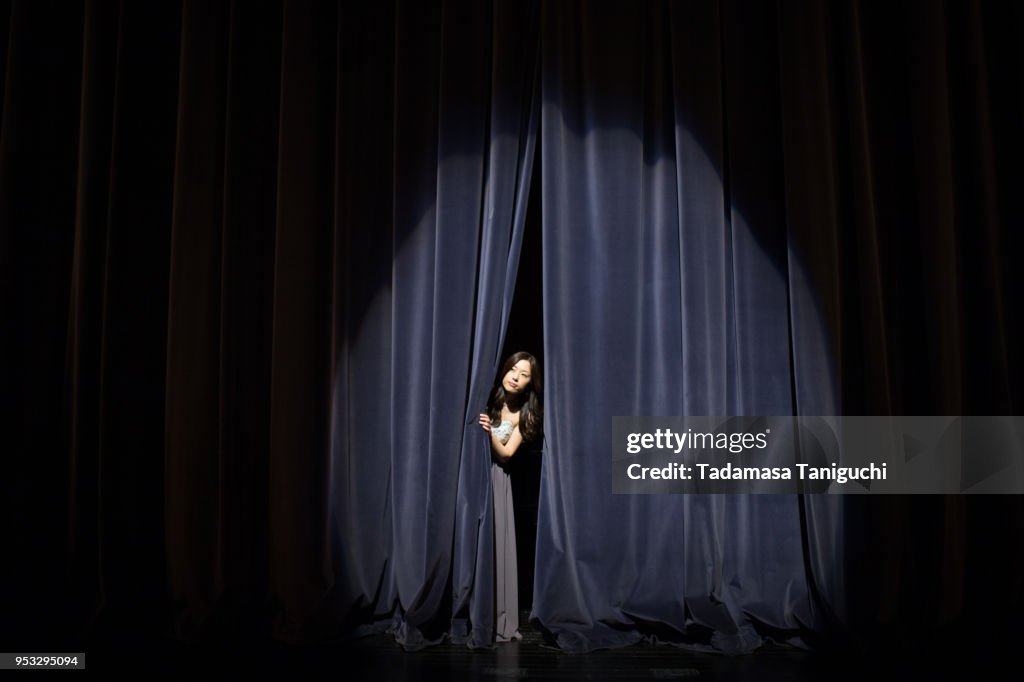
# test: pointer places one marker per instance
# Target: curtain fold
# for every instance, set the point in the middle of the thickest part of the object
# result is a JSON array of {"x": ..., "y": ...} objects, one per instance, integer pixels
[
  {"x": 659, "y": 299},
  {"x": 193, "y": 335},
  {"x": 463, "y": 144},
  {"x": 514, "y": 125},
  {"x": 301, "y": 566},
  {"x": 121, "y": 296}
]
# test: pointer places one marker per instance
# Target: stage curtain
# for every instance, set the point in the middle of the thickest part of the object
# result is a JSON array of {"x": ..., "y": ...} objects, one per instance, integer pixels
[
  {"x": 661, "y": 297},
  {"x": 257, "y": 262},
  {"x": 424, "y": 326},
  {"x": 760, "y": 208}
]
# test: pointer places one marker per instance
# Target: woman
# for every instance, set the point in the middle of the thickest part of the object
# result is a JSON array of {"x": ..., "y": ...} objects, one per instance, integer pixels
[{"x": 513, "y": 417}]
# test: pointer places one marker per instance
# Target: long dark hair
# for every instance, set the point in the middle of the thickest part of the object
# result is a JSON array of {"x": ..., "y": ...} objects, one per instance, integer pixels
[{"x": 531, "y": 413}]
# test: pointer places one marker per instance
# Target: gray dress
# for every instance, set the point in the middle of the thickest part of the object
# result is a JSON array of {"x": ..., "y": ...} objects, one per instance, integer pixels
[{"x": 506, "y": 582}]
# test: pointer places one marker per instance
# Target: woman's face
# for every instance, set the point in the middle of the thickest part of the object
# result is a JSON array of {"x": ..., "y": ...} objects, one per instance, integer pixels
[{"x": 518, "y": 378}]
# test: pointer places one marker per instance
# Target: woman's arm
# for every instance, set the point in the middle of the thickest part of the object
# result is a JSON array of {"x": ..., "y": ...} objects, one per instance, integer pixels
[{"x": 504, "y": 451}]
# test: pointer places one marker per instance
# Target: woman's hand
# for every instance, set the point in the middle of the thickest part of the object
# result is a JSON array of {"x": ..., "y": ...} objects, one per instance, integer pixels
[{"x": 485, "y": 423}]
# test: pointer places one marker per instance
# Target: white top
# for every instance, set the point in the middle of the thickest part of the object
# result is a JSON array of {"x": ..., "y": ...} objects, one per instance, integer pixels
[{"x": 503, "y": 431}]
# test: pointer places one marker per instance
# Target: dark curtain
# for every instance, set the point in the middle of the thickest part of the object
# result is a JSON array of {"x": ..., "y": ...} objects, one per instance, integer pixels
[
  {"x": 901, "y": 160},
  {"x": 792, "y": 208},
  {"x": 257, "y": 262}
]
